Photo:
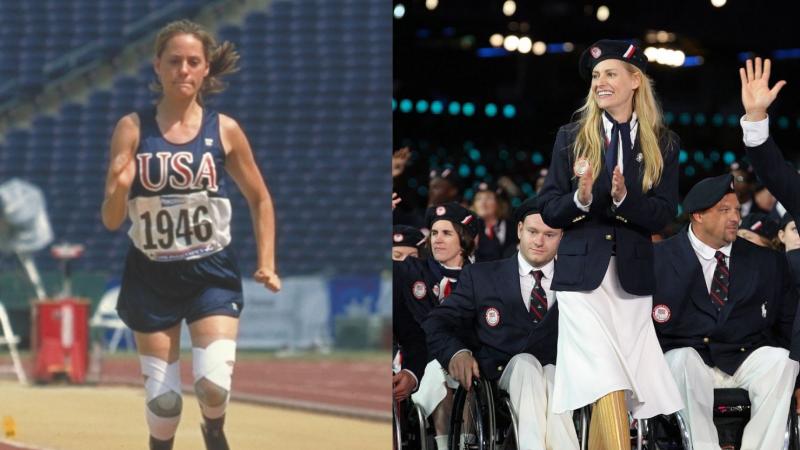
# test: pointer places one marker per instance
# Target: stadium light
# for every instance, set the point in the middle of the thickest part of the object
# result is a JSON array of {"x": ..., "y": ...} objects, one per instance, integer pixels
[
  {"x": 399, "y": 11},
  {"x": 431, "y": 4},
  {"x": 496, "y": 40},
  {"x": 525, "y": 45},
  {"x": 719, "y": 3},
  {"x": 603, "y": 13},
  {"x": 509, "y": 8},
  {"x": 511, "y": 43}
]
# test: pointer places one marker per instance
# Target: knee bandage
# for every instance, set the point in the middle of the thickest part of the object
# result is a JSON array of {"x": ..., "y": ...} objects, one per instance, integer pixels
[
  {"x": 213, "y": 367},
  {"x": 163, "y": 393}
]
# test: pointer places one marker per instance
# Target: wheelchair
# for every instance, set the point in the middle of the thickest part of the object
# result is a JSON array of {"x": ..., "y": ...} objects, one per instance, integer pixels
[
  {"x": 484, "y": 413},
  {"x": 731, "y": 413},
  {"x": 410, "y": 429}
]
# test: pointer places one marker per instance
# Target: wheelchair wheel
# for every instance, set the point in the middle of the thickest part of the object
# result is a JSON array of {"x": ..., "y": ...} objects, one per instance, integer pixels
[
  {"x": 510, "y": 438},
  {"x": 397, "y": 432},
  {"x": 792, "y": 436},
  {"x": 410, "y": 429},
  {"x": 473, "y": 415},
  {"x": 667, "y": 433}
]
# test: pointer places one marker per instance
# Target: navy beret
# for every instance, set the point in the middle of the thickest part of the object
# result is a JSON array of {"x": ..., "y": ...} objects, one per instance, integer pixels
[
  {"x": 525, "y": 209},
  {"x": 707, "y": 192},
  {"x": 785, "y": 220},
  {"x": 610, "y": 49},
  {"x": 761, "y": 224},
  {"x": 406, "y": 236},
  {"x": 455, "y": 213}
]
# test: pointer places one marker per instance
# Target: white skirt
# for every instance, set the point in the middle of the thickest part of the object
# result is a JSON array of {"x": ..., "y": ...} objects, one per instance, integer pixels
[{"x": 607, "y": 343}]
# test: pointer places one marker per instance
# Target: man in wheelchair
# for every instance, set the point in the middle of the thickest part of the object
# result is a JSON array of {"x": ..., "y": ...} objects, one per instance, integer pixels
[
  {"x": 723, "y": 311},
  {"x": 508, "y": 304}
]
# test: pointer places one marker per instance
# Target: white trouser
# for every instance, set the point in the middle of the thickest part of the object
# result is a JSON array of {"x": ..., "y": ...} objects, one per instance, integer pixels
[
  {"x": 529, "y": 385},
  {"x": 433, "y": 387},
  {"x": 767, "y": 374}
]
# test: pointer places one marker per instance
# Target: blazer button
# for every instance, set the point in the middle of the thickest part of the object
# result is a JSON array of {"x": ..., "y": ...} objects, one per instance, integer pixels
[
  {"x": 705, "y": 340},
  {"x": 499, "y": 368},
  {"x": 609, "y": 237}
]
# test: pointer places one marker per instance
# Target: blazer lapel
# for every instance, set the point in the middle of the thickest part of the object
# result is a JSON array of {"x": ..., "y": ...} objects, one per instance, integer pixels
[
  {"x": 742, "y": 281},
  {"x": 508, "y": 286},
  {"x": 508, "y": 289},
  {"x": 688, "y": 268}
]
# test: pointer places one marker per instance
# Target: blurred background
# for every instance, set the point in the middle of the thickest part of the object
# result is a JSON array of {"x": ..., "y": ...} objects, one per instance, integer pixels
[
  {"x": 313, "y": 98},
  {"x": 482, "y": 89}
]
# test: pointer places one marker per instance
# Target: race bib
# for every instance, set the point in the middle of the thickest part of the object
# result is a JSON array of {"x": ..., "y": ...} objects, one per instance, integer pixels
[{"x": 179, "y": 226}]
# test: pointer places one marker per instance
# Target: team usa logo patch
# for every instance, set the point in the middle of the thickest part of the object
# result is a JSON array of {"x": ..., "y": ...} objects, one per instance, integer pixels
[
  {"x": 639, "y": 157},
  {"x": 661, "y": 313},
  {"x": 397, "y": 237},
  {"x": 596, "y": 52},
  {"x": 435, "y": 290},
  {"x": 492, "y": 317},
  {"x": 419, "y": 290},
  {"x": 440, "y": 211}
]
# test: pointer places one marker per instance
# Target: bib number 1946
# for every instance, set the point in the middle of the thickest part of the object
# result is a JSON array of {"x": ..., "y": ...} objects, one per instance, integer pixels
[{"x": 171, "y": 228}]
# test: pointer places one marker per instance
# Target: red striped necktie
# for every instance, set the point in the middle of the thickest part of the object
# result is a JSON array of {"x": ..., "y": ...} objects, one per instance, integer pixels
[
  {"x": 538, "y": 299},
  {"x": 720, "y": 282}
]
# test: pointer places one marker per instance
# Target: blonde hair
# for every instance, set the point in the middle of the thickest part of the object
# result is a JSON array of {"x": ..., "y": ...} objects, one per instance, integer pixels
[
  {"x": 589, "y": 142},
  {"x": 221, "y": 58}
]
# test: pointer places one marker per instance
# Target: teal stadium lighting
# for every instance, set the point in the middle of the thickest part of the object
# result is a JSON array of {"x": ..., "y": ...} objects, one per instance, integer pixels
[
  {"x": 394, "y": 104},
  {"x": 717, "y": 120},
  {"x": 685, "y": 119},
  {"x": 669, "y": 117},
  {"x": 683, "y": 156},
  {"x": 490, "y": 110},
  {"x": 474, "y": 154},
  {"x": 700, "y": 119},
  {"x": 422, "y": 106},
  {"x": 480, "y": 171},
  {"x": 437, "y": 107},
  {"x": 509, "y": 111},
  {"x": 468, "y": 109},
  {"x": 454, "y": 108},
  {"x": 733, "y": 120},
  {"x": 406, "y": 105},
  {"x": 783, "y": 122},
  {"x": 728, "y": 157},
  {"x": 537, "y": 158},
  {"x": 464, "y": 170},
  {"x": 689, "y": 171}
]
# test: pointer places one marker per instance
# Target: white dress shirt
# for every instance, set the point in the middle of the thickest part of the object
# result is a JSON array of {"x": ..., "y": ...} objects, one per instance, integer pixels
[
  {"x": 527, "y": 281},
  {"x": 705, "y": 255},
  {"x": 754, "y": 133}
]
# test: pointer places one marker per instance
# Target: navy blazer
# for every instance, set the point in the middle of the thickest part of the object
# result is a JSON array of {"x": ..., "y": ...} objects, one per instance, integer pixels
[
  {"x": 590, "y": 238},
  {"x": 410, "y": 338},
  {"x": 483, "y": 287},
  {"x": 760, "y": 308},
  {"x": 777, "y": 174}
]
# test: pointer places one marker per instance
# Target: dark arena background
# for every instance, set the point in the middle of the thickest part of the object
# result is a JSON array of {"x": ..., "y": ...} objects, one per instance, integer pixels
[
  {"x": 482, "y": 87},
  {"x": 313, "y": 98}
]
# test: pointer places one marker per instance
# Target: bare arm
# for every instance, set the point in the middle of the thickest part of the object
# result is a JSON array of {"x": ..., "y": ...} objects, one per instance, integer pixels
[
  {"x": 121, "y": 171},
  {"x": 242, "y": 168}
]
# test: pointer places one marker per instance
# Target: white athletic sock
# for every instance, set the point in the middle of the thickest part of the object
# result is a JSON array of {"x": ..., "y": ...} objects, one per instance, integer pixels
[{"x": 442, "y": 442}]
